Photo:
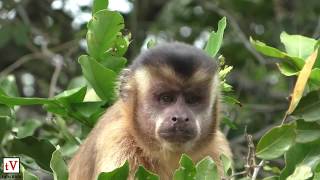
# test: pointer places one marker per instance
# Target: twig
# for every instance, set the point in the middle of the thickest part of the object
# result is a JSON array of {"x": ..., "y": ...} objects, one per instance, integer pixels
[
  {"x": 58, "y": 63},
  {"x": 256, "y": 170},
  {"x": 284, "y": 118},
  {"x": 24, "y": 59},
  {"x": 238, "y": 174},
  {"x": 36, "y": 55},
  {"x": 255, "y": 136},
  {"x": 236, "y": 28},
  {"x": 251, "y": 157}
]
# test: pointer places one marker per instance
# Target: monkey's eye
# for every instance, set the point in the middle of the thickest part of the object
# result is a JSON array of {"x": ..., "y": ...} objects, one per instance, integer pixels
[
  {"x": 166, "y": 98},
  {"x": 192, "y": 99}
]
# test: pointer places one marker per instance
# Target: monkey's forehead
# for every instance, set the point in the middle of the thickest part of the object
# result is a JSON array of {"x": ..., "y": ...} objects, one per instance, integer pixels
[{"x": 184, "y": 60}]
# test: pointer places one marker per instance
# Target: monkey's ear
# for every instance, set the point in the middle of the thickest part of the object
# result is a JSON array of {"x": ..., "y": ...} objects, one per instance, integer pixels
[{"x": 124, "y": 86}]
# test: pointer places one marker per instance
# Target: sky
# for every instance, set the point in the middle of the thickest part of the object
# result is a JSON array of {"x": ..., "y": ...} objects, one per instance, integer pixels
[{"x": 73, "y": 8}]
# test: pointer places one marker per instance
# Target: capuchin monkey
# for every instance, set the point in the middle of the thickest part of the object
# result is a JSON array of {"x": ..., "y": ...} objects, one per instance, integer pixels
[{"x": 168, "y": 105}]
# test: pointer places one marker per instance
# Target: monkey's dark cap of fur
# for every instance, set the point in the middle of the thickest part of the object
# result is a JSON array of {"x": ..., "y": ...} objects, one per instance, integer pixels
[{"x": 182, "y": 58}]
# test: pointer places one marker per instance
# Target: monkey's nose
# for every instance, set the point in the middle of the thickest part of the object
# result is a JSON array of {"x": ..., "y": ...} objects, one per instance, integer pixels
[{"x": 178, "y": 119}]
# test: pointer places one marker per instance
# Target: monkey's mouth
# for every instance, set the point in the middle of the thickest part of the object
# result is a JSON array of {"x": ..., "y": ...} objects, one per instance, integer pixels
[{"x": 174, "y": 135}]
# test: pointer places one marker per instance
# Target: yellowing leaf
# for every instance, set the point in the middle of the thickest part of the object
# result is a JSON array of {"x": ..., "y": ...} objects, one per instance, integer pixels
[
  {"x": 301, "y": 173},
  {"x": 301, "y": 82}
]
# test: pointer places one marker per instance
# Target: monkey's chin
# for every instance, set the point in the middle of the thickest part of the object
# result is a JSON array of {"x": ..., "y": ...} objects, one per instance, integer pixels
[
  {"x": 177, "y": 147},
  {"x": 177, "y": 141}
]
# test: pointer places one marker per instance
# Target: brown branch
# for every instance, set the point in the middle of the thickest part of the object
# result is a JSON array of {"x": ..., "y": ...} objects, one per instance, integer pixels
[
  {"x": 58, "y": 63},
  {"x": 256, "y": 135},
  {"x": 251, "y": 157},
  {"x": 256, "y": 170},
  {"x": 24, "y": 59},
  {"x": 36, "y": 55}
]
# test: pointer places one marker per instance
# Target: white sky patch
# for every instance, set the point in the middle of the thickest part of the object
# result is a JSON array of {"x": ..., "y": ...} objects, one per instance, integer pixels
[
  {"x": 201, "y": 41},
  {"x": 57, "y": 4},
  {"x": 81, "y": 19},
  {"x": 159, "y": 39},
  {"x": 123, "y": 6},
  {"x": 73, "y": 8}
]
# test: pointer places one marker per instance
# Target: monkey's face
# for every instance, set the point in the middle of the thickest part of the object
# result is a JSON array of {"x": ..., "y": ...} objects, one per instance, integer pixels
[
  {"x": 175, "y": 86},
  {"x": 182, "y": 114},
  {"x": 177, "y": 122},
  {"x": 176, "y": 113}
]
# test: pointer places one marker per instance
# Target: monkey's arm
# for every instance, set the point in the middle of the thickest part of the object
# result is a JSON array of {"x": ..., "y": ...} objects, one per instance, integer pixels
[{"x": 100, "y": 151}]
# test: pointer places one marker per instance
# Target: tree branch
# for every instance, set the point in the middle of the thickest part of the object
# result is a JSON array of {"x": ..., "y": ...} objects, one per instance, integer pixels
[
  {"x": 256, "y": 170},
  {"x": 24, "y": 59}
]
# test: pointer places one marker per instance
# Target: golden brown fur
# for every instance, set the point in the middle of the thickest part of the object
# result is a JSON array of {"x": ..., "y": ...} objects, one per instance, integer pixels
[
  {"x": 111, "y": 144},
  {"x": 127, "y": 130}
]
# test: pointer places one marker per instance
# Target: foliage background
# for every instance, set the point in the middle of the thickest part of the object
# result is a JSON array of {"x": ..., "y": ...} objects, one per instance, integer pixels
[{"x": 40, "y": 42}]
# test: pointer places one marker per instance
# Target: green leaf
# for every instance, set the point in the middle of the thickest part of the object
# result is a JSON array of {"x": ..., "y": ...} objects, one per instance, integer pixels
[
  {"x": 58, "y": 166},
  {"x": 229, "y": 123},
  {"x": 143, "y": 174},
  {"x": 268, "y": 50},
  {"x": 101, "y": 79},
  {"x": 72, "y": 96},
  {"x": 63, "y": 102},
  {"x": 271, "y": 178},
  {"x": 39, "y": 150},
  {"x": 99, "y": 5},
  {"x": 26, "y": 175},
  {"x": 272, "y": 169},
  {"x": 120, "y": 45},
  {"x": 9, "y": 86},
  {"x": 297, "y": 45},
  {"x": 301, "y": 154},
  {"x": 224, "y": 72},
  {"x": 120, "y": 173},
  {"x": 76, "y": 82},
  {"x": 116, "y": 64},
  {"x": 290, "y": 66},
  {"x": 307, "y": 131},
  {"x": 12, "y": 101},
  {"x": 91, "y": 111},
  {"x": 68, "y": 149},
  {"x": 308, "y": 108},
  {"x": 317, "y": 63},
  {"x": 5, "y": 120},
  {"x": 91, "y": 96},
  {"x": 28, "y": 128},
  {"x": 227, "y": 164},
  {"x": 186, "y": 171},
  {"x": 301, "y": 173},
  {"x": 276, "y": 142},
  {"x": 207, "y": 169},
  {"x": 226, "y": 88},
  {"x": 317, "y": 173},
  {"x": 151, "y": 43},
  {"x": 24, "y": 101},
  {"x": 61, "y": 124},
  {"x": 314, "y": 79},
  {"x": 57, "y": 109},
  {"x": 102, "y": 31},
  {"x": 215, "y": 39},
  {"x": 231, "y": 100}
]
